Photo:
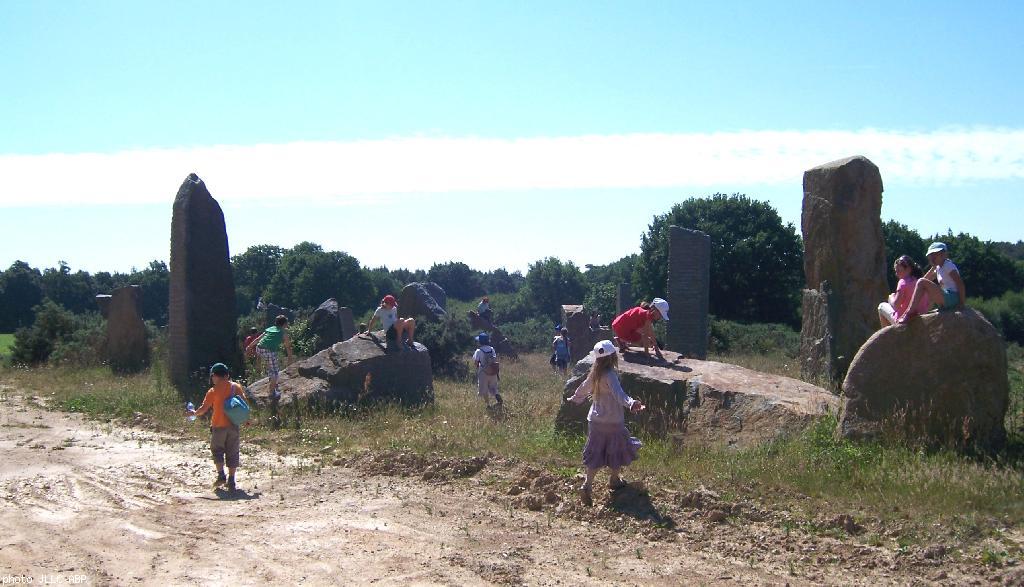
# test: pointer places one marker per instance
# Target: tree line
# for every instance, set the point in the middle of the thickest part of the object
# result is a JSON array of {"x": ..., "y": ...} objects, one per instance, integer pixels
[{"x": 756, "y": 272}]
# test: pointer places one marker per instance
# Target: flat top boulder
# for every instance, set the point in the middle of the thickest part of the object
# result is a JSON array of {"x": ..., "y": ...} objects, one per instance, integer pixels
[{"x": 709, "y": 402}]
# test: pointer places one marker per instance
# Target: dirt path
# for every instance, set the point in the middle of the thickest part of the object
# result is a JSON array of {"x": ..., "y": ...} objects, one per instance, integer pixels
[{"x": 89, "y": 503}]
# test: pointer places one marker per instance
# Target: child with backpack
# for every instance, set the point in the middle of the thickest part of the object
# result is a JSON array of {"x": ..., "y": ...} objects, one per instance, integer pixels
[
  {"x": 224, "y": 434},
  {"x": 487, "y": 369},
  {"x": 562, "y": 350}
]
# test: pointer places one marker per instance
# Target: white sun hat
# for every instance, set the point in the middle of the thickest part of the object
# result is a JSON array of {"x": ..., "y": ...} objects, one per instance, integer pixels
[
  {"x": 603, "y": 348},
  {"x": 662, "y": 307}
]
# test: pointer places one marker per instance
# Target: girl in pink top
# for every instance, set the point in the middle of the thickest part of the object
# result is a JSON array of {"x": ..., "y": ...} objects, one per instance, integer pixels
[{"x": 908, "y": 273}]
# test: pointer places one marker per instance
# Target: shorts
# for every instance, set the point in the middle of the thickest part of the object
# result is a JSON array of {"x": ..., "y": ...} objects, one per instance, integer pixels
[
  {"x": 950, "y": 298},
  {"x": 886, "y": 309},
  {"x": 270, "y": 357},
  {"x": 224, "y": 445},
  {"x": 628, "y": 335},
  {"x": 487, "y": 385}
]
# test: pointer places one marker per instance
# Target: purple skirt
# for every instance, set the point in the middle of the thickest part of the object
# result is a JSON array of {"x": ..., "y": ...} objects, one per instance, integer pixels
[{"x": 609, "y": 445}]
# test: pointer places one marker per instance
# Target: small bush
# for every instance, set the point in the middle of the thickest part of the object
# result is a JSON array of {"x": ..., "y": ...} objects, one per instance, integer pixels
[
  {"x": 52, "y": 325},
  {"x": 84, "y": 347},
  {"x": 1006, "y": 313},
  {"x": 448, "y": 341},
  {"x": 529, "y": 336}
]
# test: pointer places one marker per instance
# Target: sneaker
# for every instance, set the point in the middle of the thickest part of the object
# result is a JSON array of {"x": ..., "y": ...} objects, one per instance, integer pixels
[
  {"x": 586, "y": 496},
  {"x": 497, "y": 398},
  {"x": 221, "y": 479},
  {"x": 231, "y": 484}
]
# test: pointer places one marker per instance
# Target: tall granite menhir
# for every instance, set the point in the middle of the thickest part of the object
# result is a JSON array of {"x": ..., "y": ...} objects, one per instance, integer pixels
[
  {"x": 689, "y": 279},
  {"x": 844, "y": 263},
  {"x": 202, "y": 321}
]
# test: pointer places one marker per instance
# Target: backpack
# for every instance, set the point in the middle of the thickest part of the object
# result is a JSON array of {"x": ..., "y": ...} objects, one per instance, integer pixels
[
  {"x": 237, "y": 409},
  {"x": 561, "y": 349},
  {"x": 490, "y": 363}
]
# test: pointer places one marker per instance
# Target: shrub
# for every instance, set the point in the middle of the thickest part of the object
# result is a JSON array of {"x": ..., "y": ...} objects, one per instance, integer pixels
[
  {"x": 85, "y": 345},
  {"x": 52, "y": 324},
  {"x": 449, "y": 342},
  {"x": 530, "y": 335},
  {"x": 1006, "y": 313}
]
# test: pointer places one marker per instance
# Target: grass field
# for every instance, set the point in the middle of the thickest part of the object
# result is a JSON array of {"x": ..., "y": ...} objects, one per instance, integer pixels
[
  {"x": 6, "y": 342},
  {"x": 924, "y": 492}
]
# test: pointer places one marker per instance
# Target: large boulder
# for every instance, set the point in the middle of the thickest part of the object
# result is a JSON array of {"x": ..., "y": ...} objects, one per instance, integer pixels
[
  {"x": 940, "y": 378},
  {"x": 272, "y": 311},
  {"x": 423, "y": 299},
  {"x": 842, "y": 230},
  {"x": 201, "y": 328},
  {"x": 576, "y": 319},
  {"x": 126, "y": 344},
  {"x": 499, "y": 341},
  {"x": 331, "y": 323},
  {"x": 706, "y": 402},
  {"x": 356, "y": 371}
]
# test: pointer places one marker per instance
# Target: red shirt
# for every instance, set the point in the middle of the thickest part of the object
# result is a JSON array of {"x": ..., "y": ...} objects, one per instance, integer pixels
[
  {"x": 632, "y": 320},
  {"x": 248, "y": 341}
]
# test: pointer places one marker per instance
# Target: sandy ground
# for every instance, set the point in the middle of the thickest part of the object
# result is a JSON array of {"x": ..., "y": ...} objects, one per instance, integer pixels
[{"x": 91, "y": 503}]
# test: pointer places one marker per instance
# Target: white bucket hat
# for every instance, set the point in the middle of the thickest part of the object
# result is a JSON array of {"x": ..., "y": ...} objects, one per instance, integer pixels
[
  {"x": 603, "y": 348},
  {"x": 662, "y": 307}
]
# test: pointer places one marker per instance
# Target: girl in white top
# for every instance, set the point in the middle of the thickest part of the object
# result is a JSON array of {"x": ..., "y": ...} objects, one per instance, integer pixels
[
  {"x": 949, "y": 292},
  {"x": 387, "y": 314},
  {"x": 608, "y": 441}
]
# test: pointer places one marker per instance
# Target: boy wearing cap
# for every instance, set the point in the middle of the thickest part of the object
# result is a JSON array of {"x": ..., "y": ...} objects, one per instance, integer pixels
[
  {"x": 224, "y": 435},
  {"x": 948, "y": 293},
  {"x": 486, "y": 359},
  {"x": 636, "y": 326}
]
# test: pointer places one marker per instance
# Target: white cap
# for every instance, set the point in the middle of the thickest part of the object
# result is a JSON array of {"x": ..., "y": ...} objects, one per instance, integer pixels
[
  {"x": 603, "y": 348},
  {"x": 662, "y": 307}
]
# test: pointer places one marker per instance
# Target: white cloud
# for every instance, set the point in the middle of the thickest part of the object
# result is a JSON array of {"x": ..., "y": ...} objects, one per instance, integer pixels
[{"x": 347, "y": 172}]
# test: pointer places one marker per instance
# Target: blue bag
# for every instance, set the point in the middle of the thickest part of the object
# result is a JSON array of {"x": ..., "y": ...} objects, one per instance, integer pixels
[{"x": 237, "y": 410}]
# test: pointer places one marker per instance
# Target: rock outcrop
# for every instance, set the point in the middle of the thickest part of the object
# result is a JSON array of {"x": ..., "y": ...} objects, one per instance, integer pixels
[
  {"x": 842, "y": 230},
  {"x": 706, "y": 402},
  {"x": 357, "y": 371},
  {"x": 504, "y": 347},
  {"x": 940, "y": 378},
  {"x": 423, "y": 299},
  {"x": 202, "y": 314},
  {"x": 126, "y": 344},
  {"x": 331, "y": 323}
]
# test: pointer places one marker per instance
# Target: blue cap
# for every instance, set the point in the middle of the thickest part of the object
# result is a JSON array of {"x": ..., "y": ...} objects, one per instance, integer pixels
[{"x": 483, "y": 338}]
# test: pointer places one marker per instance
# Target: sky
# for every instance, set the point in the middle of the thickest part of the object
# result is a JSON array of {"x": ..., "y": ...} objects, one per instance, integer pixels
[{"x": 491, "y": 133}]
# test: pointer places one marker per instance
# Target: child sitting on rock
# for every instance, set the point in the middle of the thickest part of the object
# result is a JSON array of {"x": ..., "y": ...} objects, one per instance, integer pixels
[
  {"x": 387, "y": 314},
  {"x": 487, "y": 369},
  {"x": 908, "y": 272},
  {"x": 948, "y": 293},
  {"x": 609, "y": 443}
]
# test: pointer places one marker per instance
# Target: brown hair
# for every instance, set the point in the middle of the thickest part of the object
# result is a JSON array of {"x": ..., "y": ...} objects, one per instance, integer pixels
[
  {"x": 281, "y": 320},
  {"x": 907, "y": 261}
]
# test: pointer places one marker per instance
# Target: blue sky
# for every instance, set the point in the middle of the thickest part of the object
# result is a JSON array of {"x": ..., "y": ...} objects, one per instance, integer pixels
[{"x": 491, "y": 133}]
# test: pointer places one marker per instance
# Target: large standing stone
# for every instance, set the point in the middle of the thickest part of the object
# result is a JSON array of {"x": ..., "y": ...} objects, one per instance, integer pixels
[
  {"x": 202, "y": 321},
  {"x": 941, "y": 378},
  {"x": 127, "y": 345},
  {"x": 623, "y": 298},
  {"x": 354, "y": 372},
  {"x": 843, "y": 245},
  {"x": 576, "y": 319},
  {"x": 705, "y": 402},
  {"x": 423, "y": 299},
  {"x": 331, "y": 323},
  {"x": 689, "y": 281}
]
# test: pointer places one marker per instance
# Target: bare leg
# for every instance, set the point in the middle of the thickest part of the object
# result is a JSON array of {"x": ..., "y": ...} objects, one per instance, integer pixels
[
  {"x": 411, "y": 325},
  {"x": 883, "y": 320},
  {"x": 924, "y": 287},
  {"x": 590, "y": 477},
  {"x": 615, "y": 481}
]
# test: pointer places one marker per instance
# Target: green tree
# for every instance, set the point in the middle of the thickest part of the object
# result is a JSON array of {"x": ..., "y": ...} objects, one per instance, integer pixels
[
  {"x": 155, "y": 281},
  {"x": 756, "y": 260},
  {"x": 550, "y": 283},
  {"x": 20, "y": 290},
  {"x": 52, "y": 325},
  {"x": 308, "y": 275},
  {"x": 501, "y": 281},
  {"x": 901, "y": 240},
  {"x": 74, "y": 291},
  {"x": 253, "y": 269},
  {"x": 457, "y": 279},
  {"x": 384, "y": 283}
]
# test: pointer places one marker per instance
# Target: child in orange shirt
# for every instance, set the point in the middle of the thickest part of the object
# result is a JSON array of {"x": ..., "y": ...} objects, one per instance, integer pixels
[{"x": 224, "y": 435}]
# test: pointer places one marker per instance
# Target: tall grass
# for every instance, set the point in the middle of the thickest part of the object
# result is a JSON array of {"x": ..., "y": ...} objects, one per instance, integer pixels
[
  {"x": 814, "y": 472},
  {"x": 6, "y": 342}
]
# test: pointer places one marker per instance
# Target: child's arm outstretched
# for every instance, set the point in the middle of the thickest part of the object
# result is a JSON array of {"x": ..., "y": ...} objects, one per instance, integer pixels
[
  {"x": 256, "y": 341},
  {"x": 583, "y": 391},
  {"x": 634, "y": 405}
]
